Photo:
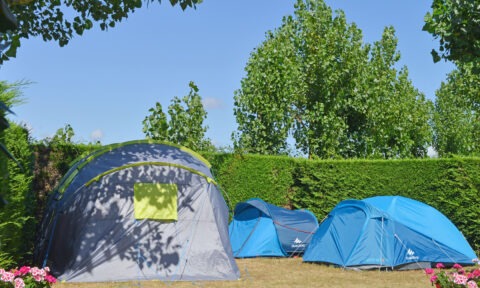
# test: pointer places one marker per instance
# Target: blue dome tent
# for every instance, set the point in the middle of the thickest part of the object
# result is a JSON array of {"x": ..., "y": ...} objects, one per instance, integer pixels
[
  {"x": 387, "y": 232},
  {"x": 262, "y": 229}
]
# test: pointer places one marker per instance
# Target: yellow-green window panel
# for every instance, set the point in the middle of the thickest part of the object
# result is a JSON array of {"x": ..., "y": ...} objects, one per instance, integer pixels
[{"x": 156, "y": 201}]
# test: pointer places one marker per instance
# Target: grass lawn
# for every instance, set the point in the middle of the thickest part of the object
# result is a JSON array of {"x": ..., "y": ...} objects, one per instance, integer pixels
[{"x": 288, "y": 272}]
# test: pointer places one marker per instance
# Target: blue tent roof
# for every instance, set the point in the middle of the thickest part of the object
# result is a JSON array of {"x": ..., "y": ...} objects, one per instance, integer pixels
[
  {"x": 388, "y": 231},
  {"x": 262, "y": 229}
]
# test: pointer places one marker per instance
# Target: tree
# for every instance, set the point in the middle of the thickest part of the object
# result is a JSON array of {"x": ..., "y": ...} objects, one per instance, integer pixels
[
  {"x": 298, "y": 84},
  {"x": 185, "y": 126},
  {"x": 457, "y": 24},
  {"x": 314, "y": 81},
  {"x": 59, "y": 21},
  {"x": 396, "y": 115},
  {"x": 264, "y": 105},
  {"x": 63, "y": 135},
  {"x": 457, "y": 113},
  {"x": 155, "y": 126},
  {"x": 332, "y": 57}
]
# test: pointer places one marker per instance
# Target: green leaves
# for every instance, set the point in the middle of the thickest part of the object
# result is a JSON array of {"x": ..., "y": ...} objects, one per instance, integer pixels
[
  {"x": 457, "y": 113},
  {"x": 263, "y": 106},
  {"x": 16, "y": 201},
  {"x": 397, "y": 114},
  {"x": 185, "y": 3},
  {"x": 155, "y": 125},
  {"x": 185, "y": 126},
  {"x": 59, "y": 21},
  {"x": 456, "y": 23},
  {"x": 314, "y": 80},
  {"x": 9, "y": 94}
]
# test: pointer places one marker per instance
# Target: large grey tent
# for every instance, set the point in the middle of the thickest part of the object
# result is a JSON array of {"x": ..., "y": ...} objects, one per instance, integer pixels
[{"x": 137, "y": 210}]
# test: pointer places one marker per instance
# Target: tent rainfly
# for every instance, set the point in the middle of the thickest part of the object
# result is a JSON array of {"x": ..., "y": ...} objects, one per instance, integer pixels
[
  {"x": 262, "y": 229},
  {"x": 135, "y": 211},
  {"x": 388, "y": 232}
]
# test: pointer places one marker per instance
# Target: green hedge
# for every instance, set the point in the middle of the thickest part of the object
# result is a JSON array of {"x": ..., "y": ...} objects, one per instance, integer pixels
[
  {"x": 52, "y": 161},
  {"x": 451, "y": 185},
  {"x": 320, "y": 185},
  {"x": 243, "y": 177},
  {"x": 17, "y": 219}
]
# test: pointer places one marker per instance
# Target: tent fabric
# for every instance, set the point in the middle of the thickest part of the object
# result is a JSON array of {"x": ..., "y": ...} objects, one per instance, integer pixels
[
  {"x": 155, "y": 201},
  {"x": 262, "y": 229},
  {"x": 90, "y": 232},
  {"x": 387, "y": 231}
]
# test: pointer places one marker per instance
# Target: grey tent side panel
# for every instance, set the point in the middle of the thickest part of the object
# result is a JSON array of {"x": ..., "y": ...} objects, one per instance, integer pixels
[{"x": 206, "y": 252}]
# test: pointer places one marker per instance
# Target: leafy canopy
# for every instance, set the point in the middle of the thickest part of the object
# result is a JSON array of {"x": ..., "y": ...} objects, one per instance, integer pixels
[
  {"x": 60, "y": 20},
  {"x": 313, "y": 82},
  {"x": 457, "y": 24}
]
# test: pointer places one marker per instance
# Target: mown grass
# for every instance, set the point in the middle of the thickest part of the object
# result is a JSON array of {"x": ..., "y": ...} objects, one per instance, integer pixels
[{"x": 288, "y": 272}]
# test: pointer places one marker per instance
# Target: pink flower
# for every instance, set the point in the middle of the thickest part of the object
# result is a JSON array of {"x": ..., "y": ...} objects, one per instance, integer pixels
[
  {"x": 38, "y": 274},
  {"x": 476, "y": 273},
  {"x": 19, "y": 283},
  {"x": 38, "y": 278},
  {"x": 50, "y": 279},
  {"x": 472, "y": 284},
  {"x": 460, "y": 279},
  {"x": 8, "y": 276},
  {"x": 429, "y": 271},
  {"x": 24, "y": 270},
  {"x": 16, "y": 278},
  {"x": 35, "y": 271},
  {"x": 457, "y": 266},
  {"x": 434, "y": 278},
  {"x": 440, "y": 265}
]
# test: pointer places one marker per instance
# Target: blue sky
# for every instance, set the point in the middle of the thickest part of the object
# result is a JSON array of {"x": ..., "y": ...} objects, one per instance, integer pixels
[{"x": 103, "y": 83}]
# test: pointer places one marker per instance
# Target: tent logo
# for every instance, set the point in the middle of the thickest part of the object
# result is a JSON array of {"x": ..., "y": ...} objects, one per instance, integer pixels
[
  {"x": 297, "y": 243},
  {"x": 411, "y": 255}
]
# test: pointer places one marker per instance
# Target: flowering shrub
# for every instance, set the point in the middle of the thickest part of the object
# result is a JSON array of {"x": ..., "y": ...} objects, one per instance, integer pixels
[
  {"x": 457, "y": 276},
  {"x": 26, "y": 277}
]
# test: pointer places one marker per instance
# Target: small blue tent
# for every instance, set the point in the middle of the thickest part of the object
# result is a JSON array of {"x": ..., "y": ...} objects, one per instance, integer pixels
[
  {"x": 262, "y": 229},
  {"x": 387, "y": 231}
]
